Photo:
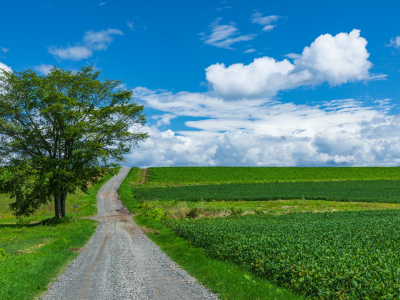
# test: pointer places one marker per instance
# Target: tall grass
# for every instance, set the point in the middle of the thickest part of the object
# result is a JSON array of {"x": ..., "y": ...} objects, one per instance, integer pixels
[
  {"x": 86, "y": 204},
  {"x": 37, "y": 254}
]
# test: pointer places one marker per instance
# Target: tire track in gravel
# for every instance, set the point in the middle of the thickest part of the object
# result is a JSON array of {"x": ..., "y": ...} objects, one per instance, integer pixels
[{"x": 120, "y": 262}]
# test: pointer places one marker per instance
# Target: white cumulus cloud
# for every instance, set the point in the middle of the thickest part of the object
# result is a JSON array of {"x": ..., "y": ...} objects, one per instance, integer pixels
[
  {"x": 334, "y": 59},
  {"x": 268, "y": 133},
  {"x": 5, "y": 67}
]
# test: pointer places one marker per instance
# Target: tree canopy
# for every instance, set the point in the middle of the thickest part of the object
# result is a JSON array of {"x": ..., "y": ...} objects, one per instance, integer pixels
[{"x": 60, "y": 131}]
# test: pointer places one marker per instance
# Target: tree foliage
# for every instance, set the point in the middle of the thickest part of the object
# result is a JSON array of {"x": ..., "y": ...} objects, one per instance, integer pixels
[{"x": 59, "y": 132}]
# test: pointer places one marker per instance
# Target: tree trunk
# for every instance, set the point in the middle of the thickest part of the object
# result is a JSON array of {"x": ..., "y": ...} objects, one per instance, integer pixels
[
  {"x": 63, "y": 199},
  {"x": 57, "y": 205}
]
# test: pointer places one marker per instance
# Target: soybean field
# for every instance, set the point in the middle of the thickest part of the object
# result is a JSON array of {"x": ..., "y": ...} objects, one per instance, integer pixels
[
  {"x": 382, "y": 191},
  {"x": 334, "y": 233},
  {"x": 180, "y": 175},
  {"x": 342, "y": 255}
]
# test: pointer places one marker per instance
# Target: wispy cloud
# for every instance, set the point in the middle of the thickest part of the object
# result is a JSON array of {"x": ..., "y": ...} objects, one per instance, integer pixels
[
  {"x": 225, "y": 7},
  {"x": 71, "y": 53},
  {"x": 130, "y": 25},
  {"x": 395, "y": 42},
  {"x": 258, "y": 18},
  {"x": 92, "y": 41},
  {"x": 4, "y": 50},
  {"x": 44, "y": 69},
  {"x": 223, "y": 36},
  {"x": 100, "y": 40},
  {"x": 250, "y": 50},
  {"x": 102, "y": 3}
]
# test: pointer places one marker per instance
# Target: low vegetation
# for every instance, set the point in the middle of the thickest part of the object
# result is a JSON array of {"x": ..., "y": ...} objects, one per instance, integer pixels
[
  {"x": 167, "y": 210},
  {"x": 344, "y": 248},
  {"x": 384, "y": 191},
  {"x": 86, "y": 205},
  {"x": 31, "y": 255},
  {"x": 224, "y": 278},
  {"x": 181, "y": 175},
  {"x": 36, "y": 255},
  {"x": 344, "y": 255}
]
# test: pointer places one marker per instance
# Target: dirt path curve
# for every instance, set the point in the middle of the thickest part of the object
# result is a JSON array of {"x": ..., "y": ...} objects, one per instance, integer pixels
[{"x": 120, "y": 262}]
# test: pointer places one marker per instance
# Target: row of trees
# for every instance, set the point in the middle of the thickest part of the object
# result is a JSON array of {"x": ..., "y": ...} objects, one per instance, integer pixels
[{"x": 60, "y": 132}]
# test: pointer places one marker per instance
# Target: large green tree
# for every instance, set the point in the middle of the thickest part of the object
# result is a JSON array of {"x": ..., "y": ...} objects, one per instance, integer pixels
[{"x": 59, "y": 132}]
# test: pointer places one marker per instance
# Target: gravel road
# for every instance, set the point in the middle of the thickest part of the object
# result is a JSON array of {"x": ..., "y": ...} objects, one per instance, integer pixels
[{"x": 120, "y": 262}]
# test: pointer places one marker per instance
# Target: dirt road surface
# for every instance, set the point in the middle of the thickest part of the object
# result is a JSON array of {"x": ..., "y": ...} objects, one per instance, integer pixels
[{"x": 120, "y": 262}]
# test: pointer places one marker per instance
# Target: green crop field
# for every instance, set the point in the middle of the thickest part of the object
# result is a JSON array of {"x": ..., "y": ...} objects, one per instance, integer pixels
[
  {"x": 384, "y": 191},
  {"x": 180, "y": 175},
  {"x": 343, "y": 248},
  {"x": 343, "y": 255}
]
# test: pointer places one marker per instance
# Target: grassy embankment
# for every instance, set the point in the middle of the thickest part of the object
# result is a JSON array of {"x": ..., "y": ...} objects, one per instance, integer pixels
[
  {"x": 34, "y": 255},
  {"x": 163, "y": 197}
]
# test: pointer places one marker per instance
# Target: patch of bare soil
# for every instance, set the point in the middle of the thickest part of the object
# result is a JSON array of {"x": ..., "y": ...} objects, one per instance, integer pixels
[{"x": 147, "y": 230}]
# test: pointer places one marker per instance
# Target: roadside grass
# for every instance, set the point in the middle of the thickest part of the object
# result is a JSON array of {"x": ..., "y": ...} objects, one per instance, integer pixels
[
  {"x": 223, "y": 278},
  {"x": 86, "y": 204},
  {"x": 31, "y": 256},
  {"x": 36, "y": 255}
]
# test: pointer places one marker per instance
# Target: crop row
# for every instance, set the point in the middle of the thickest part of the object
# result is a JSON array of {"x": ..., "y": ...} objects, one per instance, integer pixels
[
  {"x": 364, "y": 191},
  {"x": 266, "y": 174},
  {"x": 348, "y": 255}
]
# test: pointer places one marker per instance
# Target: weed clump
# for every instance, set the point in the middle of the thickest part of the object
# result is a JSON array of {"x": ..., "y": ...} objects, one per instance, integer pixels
[
  {"x": 3, "y": 254},
  {"x": 156, "y": 214}
]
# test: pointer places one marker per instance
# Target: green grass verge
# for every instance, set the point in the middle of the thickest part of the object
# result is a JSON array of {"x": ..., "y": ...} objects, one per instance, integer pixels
[
  {"x": 223, "y": 278},
  {"x": 171, "y": 175},
  {"x": 32, "y": 256},
  {"x": 36, "y": 255}
]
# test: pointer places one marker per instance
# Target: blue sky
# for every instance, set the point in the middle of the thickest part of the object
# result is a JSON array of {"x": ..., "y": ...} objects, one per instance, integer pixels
[{"x": 250, "y": 83}]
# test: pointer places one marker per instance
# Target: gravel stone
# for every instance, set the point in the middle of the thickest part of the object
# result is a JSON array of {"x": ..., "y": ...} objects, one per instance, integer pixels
[{"x": 120, "y": 262}]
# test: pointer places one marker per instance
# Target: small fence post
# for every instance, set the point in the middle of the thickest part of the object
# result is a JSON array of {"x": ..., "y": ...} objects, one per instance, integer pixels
[{"x": 75, "y": 206}]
